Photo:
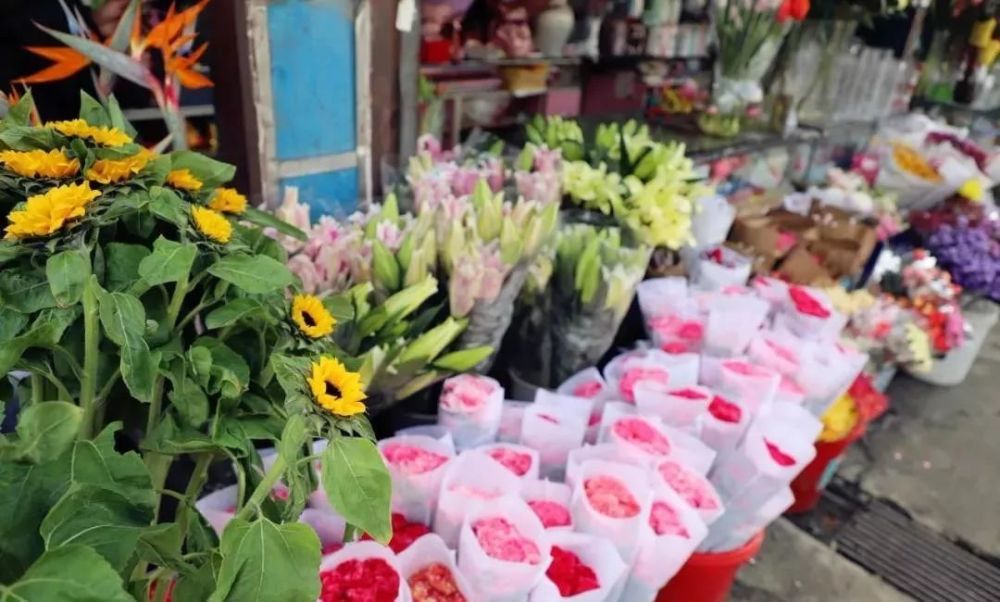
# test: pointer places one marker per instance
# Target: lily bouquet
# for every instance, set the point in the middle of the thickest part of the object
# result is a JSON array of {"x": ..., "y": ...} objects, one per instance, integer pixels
[
  {"x": 437, "y": 176},
  {"x": 150, "y": 310},
  {"x": 376, "y": 272},
  {"x": 593, "y": 280}
]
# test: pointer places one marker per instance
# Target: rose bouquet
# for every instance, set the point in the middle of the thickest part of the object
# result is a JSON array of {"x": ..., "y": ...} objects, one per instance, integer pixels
[{"x": 150, "y": 311}]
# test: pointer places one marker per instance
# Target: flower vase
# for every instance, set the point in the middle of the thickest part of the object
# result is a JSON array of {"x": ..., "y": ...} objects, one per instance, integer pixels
[{"x": 553, "y": 28}]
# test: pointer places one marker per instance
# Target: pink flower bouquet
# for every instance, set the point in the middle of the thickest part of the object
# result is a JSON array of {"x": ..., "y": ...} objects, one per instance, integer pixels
[
  {"x": 471, "y": 480},
  {"x": 417, "y": 465},
  {"x": 520, "y": 460},
  {"x": 641, "y": 438},
  {"x": 428, "y": 564},
  {"x": 362, "y": 570},
  {"x": 749, "y": 384},
  {"x": 503, "y": 550},
  {"x": 612, "y": 500},
  {"x": 733, "y": 321},
  {"x": 669, "y": 538},
  {"x": 550, "y": 502},
  {"x": 717, "y": 267},
  {"x": 723, "y": 425},
  {"x": 470, "y": 407},
  {"x": 584, "y": 569},
  {"x": 692, "y": 487},
  {"x": 678, "y": 407}
]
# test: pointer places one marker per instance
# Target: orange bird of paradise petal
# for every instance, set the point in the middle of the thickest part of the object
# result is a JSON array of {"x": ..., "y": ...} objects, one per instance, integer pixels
[
  {"x": 66, "y": 62},
  {"x": 163, "y": 34}
]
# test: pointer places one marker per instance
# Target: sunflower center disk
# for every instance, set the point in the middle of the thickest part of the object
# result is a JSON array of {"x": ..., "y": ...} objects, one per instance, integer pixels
[
  {"x": 308, "y": 319},
  {"x": 332, "y": 389}
]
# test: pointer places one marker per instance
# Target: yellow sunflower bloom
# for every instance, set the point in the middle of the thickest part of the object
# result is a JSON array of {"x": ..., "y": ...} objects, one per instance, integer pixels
[
  {"x": 109, "y": 171},
  {"x": 44, "y": 214},
  {"x": 103, "y": 135},
  {"x": 40, "y": 164},
  {"x": 227, "y": 200},
  {"x": 311, "y": 317},
  {"x": 335, "y": 388},
  {"x": 183, "y": 179},
  {"x": 212, "y": 224}
]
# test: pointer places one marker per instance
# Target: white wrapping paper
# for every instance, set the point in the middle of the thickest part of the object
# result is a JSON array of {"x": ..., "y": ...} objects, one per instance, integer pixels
[
  {"x": 428, "y": 550},
  {"x": 748, "y": 384},
  {"x": 219, "y": 507},
  {"x": 690, "y": 449},
  {"x": 660, "y": 557},
  {"x": 708, "y": 275},
  {"x": 778, "y": 351},
  {"x": 603, "y": 451},
  {"x": 731, "y": 533},
  {"x": 710, "y": 224},
  {"x": 362, "y": 550},
  {"x": 622, "y": 532},
  {"x": 720, "y": 434},
  {"x": 772, "y": 290},
  {"x": 692, "y": 487},
  {"x": 499, "y": 580},
  {"x": 661, "y": 295},
  {"x": 560, "y": 493},
  {"x": 584, "y": 384},
  {"x": 553, "y": 431},
  {"x": 581, "y": 407},
  {"x": 475, "y": 425},
  {"x": 533, "y": 468},
  {"x": 802, "y": 323},
  {"x": 793, "y": 420},
  {"x": 329, "y": 526},
  {"x": 827, "y": 371},
  {"x": 612, "y": 412},
  {"x": 435, "y": 431},
  {"x": 678, "y": 407},
  {"x": 415, "y": 496},
  {"x": 710, "y": 370},
  {"x": 511, "y": 417},
  {"x": 733, "y": 321},
  {"x": 594, "y": 552},
  {"x": 469, "y": 471}
]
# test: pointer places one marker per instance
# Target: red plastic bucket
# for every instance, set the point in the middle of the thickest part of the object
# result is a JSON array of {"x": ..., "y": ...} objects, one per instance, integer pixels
[
  {"x": 811, "y": 482},
  {"x": 708, "y": 577}
]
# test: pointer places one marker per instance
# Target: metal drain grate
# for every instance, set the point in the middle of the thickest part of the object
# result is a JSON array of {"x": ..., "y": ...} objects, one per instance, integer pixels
[{"x": 914, "y": 559}]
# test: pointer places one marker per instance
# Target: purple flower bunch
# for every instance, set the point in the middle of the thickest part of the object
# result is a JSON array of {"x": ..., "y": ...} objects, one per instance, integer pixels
[{"x": 971, "y": 253}]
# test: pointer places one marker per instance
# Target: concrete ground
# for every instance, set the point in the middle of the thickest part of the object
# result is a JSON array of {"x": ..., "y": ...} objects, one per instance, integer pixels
[{"x": 938, "y": 458}]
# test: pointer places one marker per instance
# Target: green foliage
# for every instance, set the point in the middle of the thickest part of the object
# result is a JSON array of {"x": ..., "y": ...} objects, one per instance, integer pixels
[{"x": 137, "y": 329}]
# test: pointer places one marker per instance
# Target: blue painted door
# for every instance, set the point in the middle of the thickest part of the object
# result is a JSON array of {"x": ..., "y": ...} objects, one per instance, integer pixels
[{"x": 313, "y": 95}]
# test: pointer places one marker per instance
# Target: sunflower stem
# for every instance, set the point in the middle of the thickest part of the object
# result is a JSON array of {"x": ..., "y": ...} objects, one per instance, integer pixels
[
  {"x": 263, "y": 488},
  {"x": 91, "y": 344}
]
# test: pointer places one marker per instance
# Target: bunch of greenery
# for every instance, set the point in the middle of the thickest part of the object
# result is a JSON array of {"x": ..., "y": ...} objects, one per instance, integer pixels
[{"x": 151, "y": 312}]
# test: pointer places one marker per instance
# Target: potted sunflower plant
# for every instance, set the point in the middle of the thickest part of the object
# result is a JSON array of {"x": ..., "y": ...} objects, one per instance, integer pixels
[{"x": 154, "y": 324}]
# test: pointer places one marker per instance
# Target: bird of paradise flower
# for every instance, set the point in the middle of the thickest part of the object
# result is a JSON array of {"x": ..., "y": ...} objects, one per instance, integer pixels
[{"x": 124, "y": 55}]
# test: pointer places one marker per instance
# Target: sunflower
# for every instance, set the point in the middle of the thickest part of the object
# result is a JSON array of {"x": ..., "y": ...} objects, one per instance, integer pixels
[
  {"x": 40, "y": 164},
  {"x": 103, "y": 135},
  {"x": 311, "y": 317},
  {"x": 108, "y": 171},
  {"x": 46, "y": 213},
  {"x": 183, "y": 179},
  {"x": 335, "y": 388},
  {"x": 227, "y": 200},
  {"x": 212, "y": 224}
]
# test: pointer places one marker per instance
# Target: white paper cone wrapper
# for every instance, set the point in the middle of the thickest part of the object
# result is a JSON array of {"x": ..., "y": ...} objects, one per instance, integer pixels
[
  {"x": 660, "y": 557},
  {"x": 803, "y": 324},
  {"x": 623, "y": 434},
  {"x": 553, "y": 432},
  {"x": 415, "y": 496},
  {"x": 733, "y": 321},
  {"x": 789, "y": 391},
  {"x": 500, "y": 580},
  {"x": 766, "y": 461},
  {"x": 622, "y": 532},
  {"x": 748, "y": 384},
  {"x": 435, "y": 431},
  {"x": 603, "y": 451},
  {"x": 726, "y": 535},
  {"x": 329, "y": 526},
  {"x": 363, "y": 550},
  {"x": 470, "y": 427},
  {"x": 430, "y": 549},
  {"x": 652, "y": 369},
  {"x": 219, "y": 507},
  {"x": 776, "y": 350},
  {"x": 772, "y": 290},
  {"x": 711, "y": 223},
  {"x": 710, "y": 370},
  {"x": 581, "y": 407},
  {"x": 511, "y": 417},
  {"x": 690, "y": 450},
  {"x": 612, "y": 412},
  {"x": 678, "y": 407},
  {"x": 560, "y": 493},
  {"x": 722, "y": 435},
  {"x": 471, "y": 471},
  {"x": 828, "y": 373},
  {"x": 533, "y": 468},
  {"x": 661, "y": 295},
  {"x": 584, "y": 384},
  {"x": 596, "y": 553},
  {"x": 692, "y": 487},
  {"x": 711, "y": 276},
  {"x": 792, "y": 419}
]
